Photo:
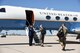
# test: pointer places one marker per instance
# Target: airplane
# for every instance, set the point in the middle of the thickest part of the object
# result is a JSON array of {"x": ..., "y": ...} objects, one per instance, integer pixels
[{"x": 17, "y": 18}]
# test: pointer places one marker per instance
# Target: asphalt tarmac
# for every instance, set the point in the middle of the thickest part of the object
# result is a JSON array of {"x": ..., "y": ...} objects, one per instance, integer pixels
[{"x": 19, "y": 44}]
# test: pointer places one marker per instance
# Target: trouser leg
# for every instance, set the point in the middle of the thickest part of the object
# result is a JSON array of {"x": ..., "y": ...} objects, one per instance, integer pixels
[
  {"x": 30, "y": 40},
  {"x": 42, "y": 40},
  {"x": 64, "y": 44}
]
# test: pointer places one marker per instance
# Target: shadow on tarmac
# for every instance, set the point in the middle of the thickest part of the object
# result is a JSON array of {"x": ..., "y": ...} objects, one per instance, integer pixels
[
  {"x": 14, "y": 44},
  {"x": 67, "y": 42},
  {"x": 69, "y": 49},
  {"x": 71, "y": 42}
]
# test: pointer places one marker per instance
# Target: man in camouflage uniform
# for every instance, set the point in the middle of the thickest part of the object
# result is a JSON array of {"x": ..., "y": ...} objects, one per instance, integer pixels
[{"x": 62, "y": 36}]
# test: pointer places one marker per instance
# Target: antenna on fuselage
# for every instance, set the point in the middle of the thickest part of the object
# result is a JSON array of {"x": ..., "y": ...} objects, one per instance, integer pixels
[{"x": 52, "y": 9}]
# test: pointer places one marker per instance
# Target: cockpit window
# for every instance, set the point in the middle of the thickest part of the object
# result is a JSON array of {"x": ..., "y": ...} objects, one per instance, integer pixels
[{"x": 2, "y": 10}]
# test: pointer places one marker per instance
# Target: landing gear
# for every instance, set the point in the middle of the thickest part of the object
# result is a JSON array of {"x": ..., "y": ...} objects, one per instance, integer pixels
[{"x": 3, "y": 36}]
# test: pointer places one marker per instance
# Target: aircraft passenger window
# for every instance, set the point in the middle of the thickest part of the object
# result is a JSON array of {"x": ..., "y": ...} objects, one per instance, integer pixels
[
  {"x": 75, "y": 19},
  {"x": 48, "y": 17},
  {"x": 57, "y": 18},
  {"x": 66, "y": 18},
  {"x": 2, "y": 10}
]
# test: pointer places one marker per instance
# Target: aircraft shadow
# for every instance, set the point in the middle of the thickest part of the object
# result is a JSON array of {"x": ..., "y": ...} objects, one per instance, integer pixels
[
  {"x": 15, "y": 44},
  {"x": 67, "y": 42},
  {"x": 72, "y": 42}
]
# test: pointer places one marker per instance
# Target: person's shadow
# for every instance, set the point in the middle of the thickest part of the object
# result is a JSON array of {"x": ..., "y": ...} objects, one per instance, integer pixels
[{"x": 69, "y": 49}]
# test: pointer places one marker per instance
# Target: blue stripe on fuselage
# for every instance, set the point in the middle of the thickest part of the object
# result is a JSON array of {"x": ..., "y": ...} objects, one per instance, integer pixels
[
  {"x": 12, "y": 24},
  {"x": 51, "y": 25},
  {"x": 56, "y": 24}
]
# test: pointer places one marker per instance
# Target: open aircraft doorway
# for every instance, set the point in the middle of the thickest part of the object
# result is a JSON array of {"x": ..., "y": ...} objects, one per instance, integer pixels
[{"x": 29, "y": 17}]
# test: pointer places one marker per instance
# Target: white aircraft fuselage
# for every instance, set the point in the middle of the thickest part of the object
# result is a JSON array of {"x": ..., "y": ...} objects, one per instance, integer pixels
[{"x": 13, "y": 18}]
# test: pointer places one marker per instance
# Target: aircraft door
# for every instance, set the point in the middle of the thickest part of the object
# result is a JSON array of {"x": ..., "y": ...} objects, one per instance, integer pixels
[{"x": 29, "y": 17}]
